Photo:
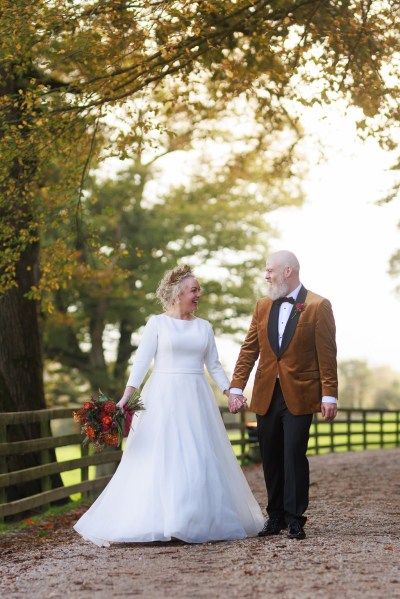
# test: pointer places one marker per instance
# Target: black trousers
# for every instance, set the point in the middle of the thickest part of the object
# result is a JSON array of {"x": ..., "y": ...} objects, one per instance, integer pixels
[{"x": 283, "y": 440}]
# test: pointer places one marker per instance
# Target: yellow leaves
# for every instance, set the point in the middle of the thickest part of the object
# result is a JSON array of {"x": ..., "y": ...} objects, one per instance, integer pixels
[{"x": 58, "y": 265}]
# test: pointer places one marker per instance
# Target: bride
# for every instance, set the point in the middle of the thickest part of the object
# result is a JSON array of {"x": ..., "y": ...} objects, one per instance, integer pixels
[{"x": 178, "y": 477}]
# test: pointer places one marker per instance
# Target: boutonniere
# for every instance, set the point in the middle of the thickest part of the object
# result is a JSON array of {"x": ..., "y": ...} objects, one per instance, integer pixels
[{"x": 298, "y": 308}]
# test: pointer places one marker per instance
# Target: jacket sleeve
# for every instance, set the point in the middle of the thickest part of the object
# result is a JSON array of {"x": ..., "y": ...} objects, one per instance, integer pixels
[
  {"x": 144, "y": 354},
  {"x": 248, "y": 355},
  {"x": 325, "y": 341}
]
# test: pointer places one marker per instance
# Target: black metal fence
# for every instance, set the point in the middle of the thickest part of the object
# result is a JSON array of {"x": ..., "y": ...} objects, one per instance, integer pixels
[{"x": 352, "y": 430}]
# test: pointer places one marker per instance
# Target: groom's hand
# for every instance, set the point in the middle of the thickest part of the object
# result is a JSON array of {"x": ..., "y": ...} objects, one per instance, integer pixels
[
  {"x": 328, "y": 411},
  {"x": 236, "y": 402}
]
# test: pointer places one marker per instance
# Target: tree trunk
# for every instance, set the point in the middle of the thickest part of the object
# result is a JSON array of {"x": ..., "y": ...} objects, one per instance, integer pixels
[
  {"x": 125, "y": 349},
  {"x": 21, "y": 371},
  {"x": 99, "y": 378}
]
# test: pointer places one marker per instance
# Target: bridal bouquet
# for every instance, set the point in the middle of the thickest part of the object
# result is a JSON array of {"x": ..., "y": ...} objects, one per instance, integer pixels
[{"x": 103, "y": 423}]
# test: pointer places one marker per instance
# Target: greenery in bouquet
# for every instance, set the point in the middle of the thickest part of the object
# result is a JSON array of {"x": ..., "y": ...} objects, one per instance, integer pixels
[{"x": 103, "y": 423}]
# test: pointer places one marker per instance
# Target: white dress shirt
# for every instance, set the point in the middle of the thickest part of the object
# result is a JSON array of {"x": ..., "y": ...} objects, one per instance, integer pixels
[{"x": 284, "y": 312}]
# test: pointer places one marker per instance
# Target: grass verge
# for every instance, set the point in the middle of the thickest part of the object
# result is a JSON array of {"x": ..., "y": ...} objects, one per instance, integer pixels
[{"x": 51, "y": 512}]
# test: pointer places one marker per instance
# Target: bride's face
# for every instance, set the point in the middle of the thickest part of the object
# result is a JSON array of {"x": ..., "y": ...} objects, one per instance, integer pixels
[{"x": 189, "y": 297}]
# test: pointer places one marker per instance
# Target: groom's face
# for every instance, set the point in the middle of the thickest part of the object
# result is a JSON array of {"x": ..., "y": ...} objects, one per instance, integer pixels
[{"x": 275, "y": 275}]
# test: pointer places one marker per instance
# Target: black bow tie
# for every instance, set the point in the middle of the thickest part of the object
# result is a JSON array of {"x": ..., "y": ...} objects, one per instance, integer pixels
[{"x": 280, "y": 300}]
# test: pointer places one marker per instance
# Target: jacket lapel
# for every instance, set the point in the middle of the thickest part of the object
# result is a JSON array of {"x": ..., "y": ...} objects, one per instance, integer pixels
[
  {"x": 273, "y": 328},
  {"x": 292, "y": 322}
]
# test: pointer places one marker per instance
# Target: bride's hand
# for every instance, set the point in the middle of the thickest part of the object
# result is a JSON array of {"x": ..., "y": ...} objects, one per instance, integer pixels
[
  {"x": 129, "y": 391},
  {"x": 121, "y": 404}
]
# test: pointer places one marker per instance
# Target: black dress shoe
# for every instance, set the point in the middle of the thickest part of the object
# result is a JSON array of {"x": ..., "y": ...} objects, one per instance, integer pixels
[
  {"x": 273, "y": 526},
  {"x": 296, "y": 531}
]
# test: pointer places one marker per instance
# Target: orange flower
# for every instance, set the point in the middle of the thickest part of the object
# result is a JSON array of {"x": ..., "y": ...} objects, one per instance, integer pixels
[
  {"x": 90, "y": 433},
  {"x": 111, "y": 438},
  {"x": 77, "y": 416},
  {"x": 106, "y": 420}
]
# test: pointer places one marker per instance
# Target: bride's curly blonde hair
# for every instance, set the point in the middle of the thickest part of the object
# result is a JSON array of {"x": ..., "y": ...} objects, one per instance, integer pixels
[{"x": 172, "y": 284}]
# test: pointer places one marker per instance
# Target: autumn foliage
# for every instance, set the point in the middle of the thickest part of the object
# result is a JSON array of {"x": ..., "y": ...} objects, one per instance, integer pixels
[{"x": 66, "y": 66}]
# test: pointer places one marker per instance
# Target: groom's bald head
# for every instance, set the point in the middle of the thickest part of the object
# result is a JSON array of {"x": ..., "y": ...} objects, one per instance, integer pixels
[
  {"x": 284, "y": 258},
  {"x": 282, "y": 273}
]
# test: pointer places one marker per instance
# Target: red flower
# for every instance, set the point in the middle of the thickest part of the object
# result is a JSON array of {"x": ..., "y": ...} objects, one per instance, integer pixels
[
  {"x": 106, "y": 420},
  {"x": 298, "y": 308},
  {"x": 109, "y": 407},
  {"x": 87, "y": 405}
]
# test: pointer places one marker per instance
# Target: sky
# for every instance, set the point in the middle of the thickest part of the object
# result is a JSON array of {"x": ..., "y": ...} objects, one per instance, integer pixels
[{"x": 344, "y": 241}]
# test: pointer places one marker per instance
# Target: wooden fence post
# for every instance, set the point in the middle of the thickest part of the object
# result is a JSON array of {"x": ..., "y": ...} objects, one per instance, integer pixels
[
  {"x": 84, "y": 470},
  {"x": 364, "y": 426},
  {"x": 348, "y": 429},
  {"x": 381, "y": 439},
  {"x": 3, "y": 463},
  {"x": 398, "y": 428}
]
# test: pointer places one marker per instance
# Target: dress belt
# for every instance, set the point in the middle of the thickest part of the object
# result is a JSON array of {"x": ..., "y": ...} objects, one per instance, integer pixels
[{"x": 179, "y": 370}]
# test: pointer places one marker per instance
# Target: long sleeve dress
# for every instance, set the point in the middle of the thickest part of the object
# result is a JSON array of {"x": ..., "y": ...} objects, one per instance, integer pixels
[{"x": 178, "y": 476}]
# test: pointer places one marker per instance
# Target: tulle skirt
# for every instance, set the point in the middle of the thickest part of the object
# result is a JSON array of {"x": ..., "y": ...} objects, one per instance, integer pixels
[{"x": 178, "y": 476}]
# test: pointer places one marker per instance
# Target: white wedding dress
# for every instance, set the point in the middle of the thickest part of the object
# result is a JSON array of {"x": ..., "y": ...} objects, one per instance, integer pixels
[{"x": 178, "y": 476}]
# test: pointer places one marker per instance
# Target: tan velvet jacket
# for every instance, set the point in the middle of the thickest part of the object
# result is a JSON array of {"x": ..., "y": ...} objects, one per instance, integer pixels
[{"x": 305, "y": 362}]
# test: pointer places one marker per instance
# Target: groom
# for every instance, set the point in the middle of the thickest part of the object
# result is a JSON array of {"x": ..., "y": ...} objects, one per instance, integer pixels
[{"x": 293, "y": 335}]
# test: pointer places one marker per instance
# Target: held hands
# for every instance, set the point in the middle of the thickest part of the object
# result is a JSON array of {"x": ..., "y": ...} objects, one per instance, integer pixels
[
  {"x": 328, "y": 411},
  {"x": 236, "y": 403}
]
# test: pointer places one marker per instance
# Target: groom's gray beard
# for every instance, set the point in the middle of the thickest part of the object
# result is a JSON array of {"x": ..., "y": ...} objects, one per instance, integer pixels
[{"x": 277, "y": 290}]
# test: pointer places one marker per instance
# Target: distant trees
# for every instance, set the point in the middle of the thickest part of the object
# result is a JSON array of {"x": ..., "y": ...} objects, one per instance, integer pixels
[{"x": 363, "y": 386}]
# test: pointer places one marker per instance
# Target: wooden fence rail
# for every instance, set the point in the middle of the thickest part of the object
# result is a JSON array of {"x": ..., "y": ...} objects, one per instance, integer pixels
[{"x": 352, "y": 430}]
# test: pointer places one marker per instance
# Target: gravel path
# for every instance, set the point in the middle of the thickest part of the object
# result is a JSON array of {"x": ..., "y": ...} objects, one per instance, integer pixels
[{"x": 352, "y": 549}]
